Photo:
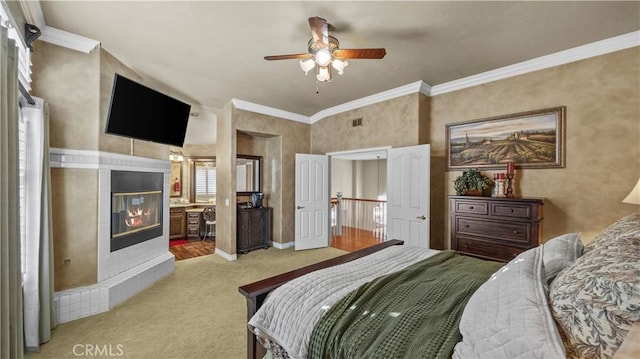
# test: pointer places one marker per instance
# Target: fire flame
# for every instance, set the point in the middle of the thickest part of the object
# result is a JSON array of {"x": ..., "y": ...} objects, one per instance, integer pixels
[{"x": 135, "y": 217}]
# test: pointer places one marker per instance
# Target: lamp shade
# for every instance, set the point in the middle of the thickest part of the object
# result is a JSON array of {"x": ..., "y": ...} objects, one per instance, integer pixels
[
  {"x": 307, "y": 65},
  {"x": 324, "y": 73},
  {"x": 634, "y": 196},
  {"x": 339, "y": 65}
]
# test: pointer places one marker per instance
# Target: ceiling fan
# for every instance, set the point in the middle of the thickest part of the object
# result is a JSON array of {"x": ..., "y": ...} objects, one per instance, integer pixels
[{"x": 325, "y": 52}]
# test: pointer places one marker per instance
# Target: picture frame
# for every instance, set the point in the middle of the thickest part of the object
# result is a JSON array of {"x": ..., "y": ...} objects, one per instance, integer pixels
[{"x": 532, "y": 139}]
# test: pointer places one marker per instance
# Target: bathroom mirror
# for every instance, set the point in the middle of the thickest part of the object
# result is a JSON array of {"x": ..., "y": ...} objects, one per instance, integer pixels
[{"x": 202, "y": 175}]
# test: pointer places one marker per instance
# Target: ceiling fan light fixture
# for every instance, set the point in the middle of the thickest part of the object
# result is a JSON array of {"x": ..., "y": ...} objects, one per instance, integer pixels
[
  {"x": 339, "y": 65},
  {"x": 324, "y": 73},
  {"x": 307, "y": 65},
  {"x": 323, "y": 57}
]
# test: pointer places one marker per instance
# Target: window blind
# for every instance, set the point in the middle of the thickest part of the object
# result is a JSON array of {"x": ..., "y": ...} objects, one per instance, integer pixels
[{"x": 205, "y": 180}]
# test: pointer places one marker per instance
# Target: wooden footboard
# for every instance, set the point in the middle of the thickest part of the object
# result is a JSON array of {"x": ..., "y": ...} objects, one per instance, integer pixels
[{"x": 257, "y": 292}]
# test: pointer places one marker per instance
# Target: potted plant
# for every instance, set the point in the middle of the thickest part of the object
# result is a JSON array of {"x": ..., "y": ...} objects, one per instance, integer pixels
[{"x": 472, "y": 183}]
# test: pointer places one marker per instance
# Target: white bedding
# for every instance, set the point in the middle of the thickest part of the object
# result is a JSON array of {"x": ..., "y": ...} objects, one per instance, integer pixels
[{"x": 290, "y": 312}]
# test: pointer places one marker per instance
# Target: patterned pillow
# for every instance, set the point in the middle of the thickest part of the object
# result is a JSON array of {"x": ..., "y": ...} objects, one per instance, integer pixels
[
  {"x": 595, "y": 300},
  {"x": 560, "y": 252},
  {"x": 624, "y": 226}
]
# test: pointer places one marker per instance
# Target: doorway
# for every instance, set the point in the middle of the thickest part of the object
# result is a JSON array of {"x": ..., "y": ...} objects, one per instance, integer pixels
[
  {"x": 358, "y": 198},
  {"x": 407, "y": 214}
]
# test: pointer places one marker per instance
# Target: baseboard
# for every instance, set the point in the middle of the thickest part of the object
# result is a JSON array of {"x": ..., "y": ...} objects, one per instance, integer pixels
[
  {"x": 227, "y": 256},
  {"x": 283, "y": 245}
]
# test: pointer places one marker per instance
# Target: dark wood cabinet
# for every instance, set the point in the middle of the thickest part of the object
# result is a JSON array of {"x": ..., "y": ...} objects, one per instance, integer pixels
[
  {"x": 495, "y": 228},
  {"x": 254, "y": 229},
  {"x": 177, "y": 223}
]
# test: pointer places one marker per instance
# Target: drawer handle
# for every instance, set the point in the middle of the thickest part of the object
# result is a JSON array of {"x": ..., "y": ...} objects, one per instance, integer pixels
[
  {"x": 511, "y": 210},
  {"x": 466, "y": 226},
  {"x": 515, "y": 232},
  {"x": 466, "y": 246},
  {"x": 470, "y": 207}
]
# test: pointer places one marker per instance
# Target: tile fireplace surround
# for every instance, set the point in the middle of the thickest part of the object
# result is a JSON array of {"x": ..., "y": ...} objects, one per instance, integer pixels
[{"x": 125, "y": 272}]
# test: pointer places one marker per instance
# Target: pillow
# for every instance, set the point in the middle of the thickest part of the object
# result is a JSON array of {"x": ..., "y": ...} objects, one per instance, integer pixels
[
  {"x": 509, "y": 317},
  {"x": 595, "y": 300},
  {"x": 624, "y": 226},
  {"x": 560, "y": 252}
]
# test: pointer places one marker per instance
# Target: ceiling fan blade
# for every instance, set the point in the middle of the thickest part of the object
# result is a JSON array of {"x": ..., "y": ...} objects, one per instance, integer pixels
[
  {"x": 319, "y": 29},
  {"x": 360, "y": 53},
  {"x": 287, "y": 57}
]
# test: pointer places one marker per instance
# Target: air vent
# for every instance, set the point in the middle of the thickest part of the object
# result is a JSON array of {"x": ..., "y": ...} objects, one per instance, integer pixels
[{"x": 357, "y": 122}]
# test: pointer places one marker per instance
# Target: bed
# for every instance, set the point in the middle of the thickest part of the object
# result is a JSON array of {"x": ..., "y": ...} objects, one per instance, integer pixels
[{"x": 561, "y": 299}]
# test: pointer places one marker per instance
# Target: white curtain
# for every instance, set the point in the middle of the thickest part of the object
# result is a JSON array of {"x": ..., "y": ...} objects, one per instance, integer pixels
[
  {"x": 39, "y": 318},
  {"x": 11, "y": 325}
]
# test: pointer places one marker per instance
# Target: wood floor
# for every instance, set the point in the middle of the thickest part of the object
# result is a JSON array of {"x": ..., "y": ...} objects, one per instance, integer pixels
[
  {"x": 194, "y": 248},
  {"x": 351, "y": 240}
]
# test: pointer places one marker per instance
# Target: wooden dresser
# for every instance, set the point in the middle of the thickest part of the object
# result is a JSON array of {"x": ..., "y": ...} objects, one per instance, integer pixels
[
  {"x": 495, "y": 228},
  {"x": 253, "y": 229}
]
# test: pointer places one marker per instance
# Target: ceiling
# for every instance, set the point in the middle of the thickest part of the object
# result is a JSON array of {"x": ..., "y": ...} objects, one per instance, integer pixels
[{"x": 210, "y": 52}]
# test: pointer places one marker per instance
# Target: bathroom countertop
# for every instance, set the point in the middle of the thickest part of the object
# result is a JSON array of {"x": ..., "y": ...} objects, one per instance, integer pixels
[{"x": 186, "y": 205}]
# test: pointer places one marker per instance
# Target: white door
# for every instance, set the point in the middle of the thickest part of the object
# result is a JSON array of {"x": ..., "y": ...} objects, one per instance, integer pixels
[
  {"x": 312, "y": 201},
  {"x": 408, "y": 175}
]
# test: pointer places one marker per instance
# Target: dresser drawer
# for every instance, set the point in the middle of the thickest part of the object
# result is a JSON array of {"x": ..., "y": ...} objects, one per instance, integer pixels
[
  {"x": 487, "y": 250},
  {"x": 193, "y": 231},
  {"x": 470, "y": 207},
  {"x": 176, "y": 210},
  {"x": 516, "y": 232},
  {"x": 511, "y": 210}
]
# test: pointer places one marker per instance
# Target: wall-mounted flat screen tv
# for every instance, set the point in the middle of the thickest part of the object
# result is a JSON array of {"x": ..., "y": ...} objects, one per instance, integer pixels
[{"x": 139, "y": 112}]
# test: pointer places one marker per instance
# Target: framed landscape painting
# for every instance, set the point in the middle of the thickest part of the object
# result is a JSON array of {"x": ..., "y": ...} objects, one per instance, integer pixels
[{"x": 533, "y": 139}]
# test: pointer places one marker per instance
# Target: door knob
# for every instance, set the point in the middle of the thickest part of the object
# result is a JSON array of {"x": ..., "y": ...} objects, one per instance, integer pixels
[
  {"x": 299, "y": 207},
  {"x": 421, "y": 217}
]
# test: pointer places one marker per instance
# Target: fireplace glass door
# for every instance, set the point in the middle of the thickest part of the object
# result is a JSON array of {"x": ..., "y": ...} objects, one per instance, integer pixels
[
  {"x": 136, "y": 207},
  {"x": 134, "y": 212}
]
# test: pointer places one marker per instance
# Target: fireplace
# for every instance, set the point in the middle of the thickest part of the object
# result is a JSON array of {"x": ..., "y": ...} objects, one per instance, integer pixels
[{"x": 136, "y": 207}]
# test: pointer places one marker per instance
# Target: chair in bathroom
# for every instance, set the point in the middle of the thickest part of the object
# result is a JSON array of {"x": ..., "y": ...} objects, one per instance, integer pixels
[{"x": 209, "y": 218}]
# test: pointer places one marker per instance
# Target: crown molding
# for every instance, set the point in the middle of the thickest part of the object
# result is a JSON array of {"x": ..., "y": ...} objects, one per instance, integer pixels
[
  {"x": 593, "y": 49},
  {"x": 68, "y": 40},
  {"x": 414, "y": 87},
  {"x": 270, "y": 111},
  {"x": 33, "y": 14}
]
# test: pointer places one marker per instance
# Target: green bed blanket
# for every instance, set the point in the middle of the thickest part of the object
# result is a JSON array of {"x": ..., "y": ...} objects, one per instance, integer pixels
[{"x": 413, "y": 313}]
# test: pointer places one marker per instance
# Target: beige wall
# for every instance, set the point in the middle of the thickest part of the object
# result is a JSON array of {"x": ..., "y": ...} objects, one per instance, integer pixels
[
  {"x": 77, "y": 87},
  {"x": 602, "y": 145},
  {"x": 75, "y": 227},
  {"x": 69, "y": 81},
  {"x": 282, "y": 140},
  {"x": 391, "y": 123},
  {"x": 602, "y": 96}
]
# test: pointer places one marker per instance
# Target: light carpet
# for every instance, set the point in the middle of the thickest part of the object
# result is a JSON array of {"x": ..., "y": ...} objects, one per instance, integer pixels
[{"x": 196, "y": 312}]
